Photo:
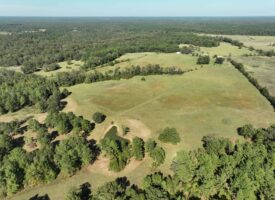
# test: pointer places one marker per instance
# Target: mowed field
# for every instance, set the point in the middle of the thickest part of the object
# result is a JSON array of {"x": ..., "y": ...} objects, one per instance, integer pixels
[{"x": 263, "y": 69}]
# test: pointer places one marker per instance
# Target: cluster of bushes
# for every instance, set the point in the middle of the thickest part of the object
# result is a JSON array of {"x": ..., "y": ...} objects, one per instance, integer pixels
[
  {"x": 219, "y": 170},
  {"x": 231, "y": 41},
  {"x": 203, "y": 60},
  {"x": 269, "y": 53},
  {"x": 260, "y": 135},
  {"x": 67, "y": 122},
  {"x": 51, "y": 67},
  {"x": 156, "y": 152},
  {"x": 76, "y": 77},
  {"x": 18, "y": 91},
  {"x": 169, "y": 135},
  {"x": 42, "y": 134},
  {"x": 99, "y": 117},
  {"x": 188, "y": 49},
  {"x": 120, "y": 150},
  {"x": 263, "y": 90},
  {"x": 219, "y": 59}
]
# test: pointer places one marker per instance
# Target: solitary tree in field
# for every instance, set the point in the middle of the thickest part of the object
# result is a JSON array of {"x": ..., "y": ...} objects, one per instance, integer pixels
[
  {"x": 203, "y": 60},
  {"x": 138, "y": 148},
  {"x": 98, "y": 117},
  {"x": 169, "y": 135},
  {"x": 219, "y": 60}
]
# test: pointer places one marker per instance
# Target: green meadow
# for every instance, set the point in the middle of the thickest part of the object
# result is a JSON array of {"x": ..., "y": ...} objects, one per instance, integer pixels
[{"x": 210, "y": 100}]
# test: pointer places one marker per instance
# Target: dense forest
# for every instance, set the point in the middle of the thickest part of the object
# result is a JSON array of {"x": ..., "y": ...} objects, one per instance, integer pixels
[{"x": 35, "y": 43}]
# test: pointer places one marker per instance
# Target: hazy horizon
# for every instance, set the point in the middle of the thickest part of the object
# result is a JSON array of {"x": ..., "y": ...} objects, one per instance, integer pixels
[{"x": 142, "y": 8}]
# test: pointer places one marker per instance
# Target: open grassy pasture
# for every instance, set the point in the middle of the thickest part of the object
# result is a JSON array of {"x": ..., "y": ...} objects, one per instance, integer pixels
[
  {"x": 64, "y": 67},
  {"x": 214, "y": 100},
  {"x": 185, "y": 62},
  {"x": 258, "y": 42},
  {"x": 20, "y": 115},
  {"x": 4, "y": 33},
  {"x": 263, "y": 69},
  {"x": 13, "y": 68},
  {"x": 225, "y": 50}
]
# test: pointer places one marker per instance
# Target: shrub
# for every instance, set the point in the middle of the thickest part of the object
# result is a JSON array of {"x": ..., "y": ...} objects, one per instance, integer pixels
[
  {"x": 169, "y": 135},
  {"x": 219, "y": 60},
  {"x": 98, "y": 117},
  {"x": 138, "y": 148},
  {"x": 203, "y": 60},
  {"x": 51, "y": 67}
]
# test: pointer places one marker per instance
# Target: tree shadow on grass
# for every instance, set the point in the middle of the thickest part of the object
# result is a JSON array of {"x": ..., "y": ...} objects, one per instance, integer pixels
[
  {"x": 85, "y": 191},
  {"x": 37, "y": 197},
  {"x": 95, "y": 149}
]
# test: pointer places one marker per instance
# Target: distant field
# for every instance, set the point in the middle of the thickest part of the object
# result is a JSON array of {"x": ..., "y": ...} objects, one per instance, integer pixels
[
  {"x": 64, "y": 67},
  {"x": 182, "y": 61},
  {"x": 263, "y": 69},
  {"x": 13, "y": 68},
  {"x": 4, "y": 33},
  {"x": 258, "y": 42},
  {"x": 19, "y": 115},
  {"x": 225, "y": 49}
]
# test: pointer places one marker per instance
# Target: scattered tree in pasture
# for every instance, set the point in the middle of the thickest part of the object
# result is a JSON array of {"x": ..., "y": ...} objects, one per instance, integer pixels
[
  {"x": 203, "y": 60},
  {"x": 51, "y": 67},
  {"x": 98, "y": 117},
  {"x": 169, "y": 135},
  {"x": 138, "y": 148},
  {"x": 219, "y": 60}
]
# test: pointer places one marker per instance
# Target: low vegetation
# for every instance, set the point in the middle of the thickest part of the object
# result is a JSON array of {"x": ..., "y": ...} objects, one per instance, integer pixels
[
  {"x": 169, "y": 135},
  {"x": 203, "y": 60}
]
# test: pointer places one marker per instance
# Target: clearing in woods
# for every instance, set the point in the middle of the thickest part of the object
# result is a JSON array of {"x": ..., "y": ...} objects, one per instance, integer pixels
[{"x": 213, "y": 100}]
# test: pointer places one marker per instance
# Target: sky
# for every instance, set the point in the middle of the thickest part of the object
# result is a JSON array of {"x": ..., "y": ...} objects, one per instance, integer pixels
[{"x": 137, "y": 7}]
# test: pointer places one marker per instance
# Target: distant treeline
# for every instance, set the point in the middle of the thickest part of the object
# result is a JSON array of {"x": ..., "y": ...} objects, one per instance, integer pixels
[
  {"x": 231, "y": 41},
  {"x": 263, "y": 90},
  {"x": 95, "y": 44},
  {"x": 77, "y": 77}
]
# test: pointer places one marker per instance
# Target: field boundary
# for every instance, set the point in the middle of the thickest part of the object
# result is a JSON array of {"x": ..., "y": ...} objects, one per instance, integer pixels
[{"x": 263, "y": 90}]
